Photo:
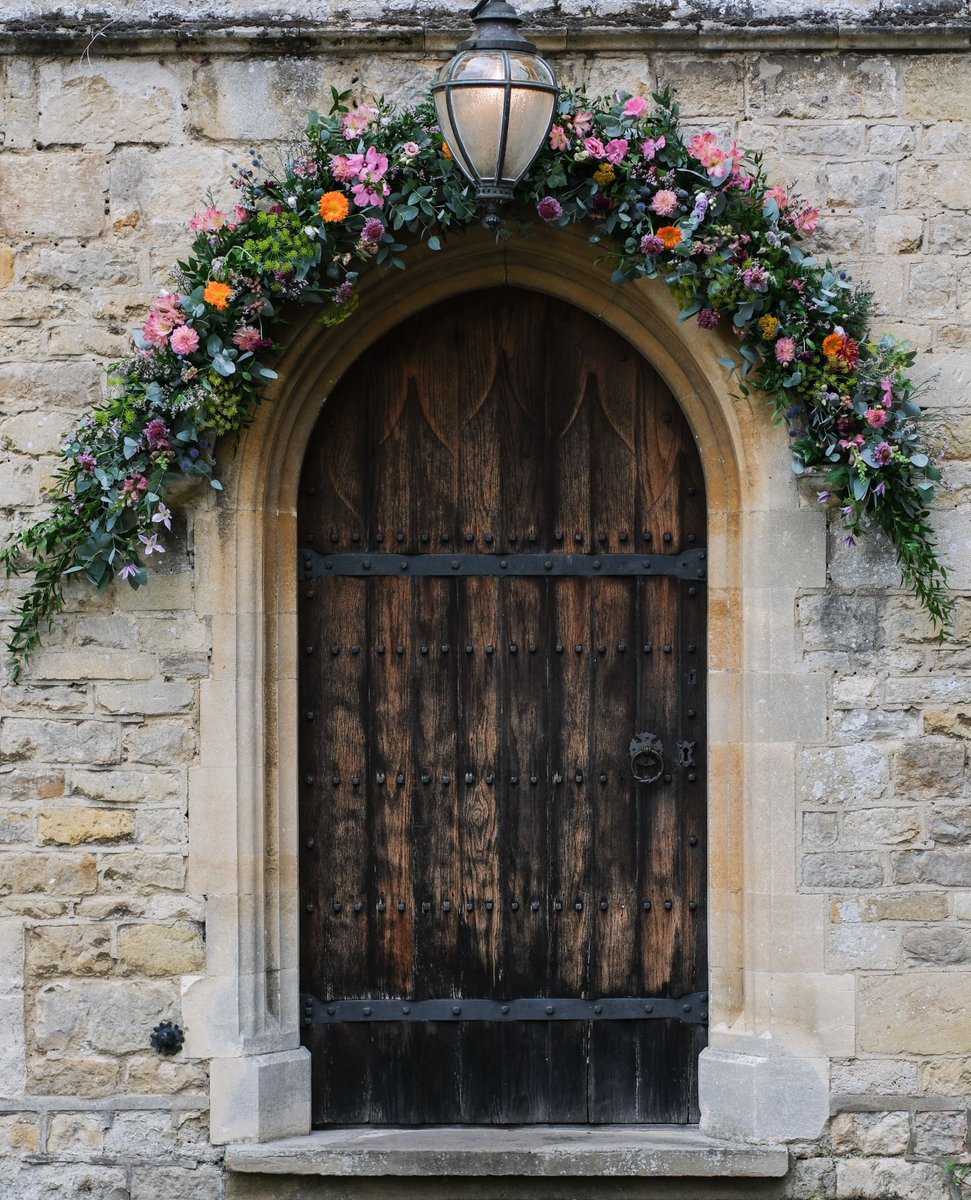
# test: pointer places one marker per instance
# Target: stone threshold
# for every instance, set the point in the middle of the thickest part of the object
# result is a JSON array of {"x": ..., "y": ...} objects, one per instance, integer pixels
[{"x": 547, "y": 1151}]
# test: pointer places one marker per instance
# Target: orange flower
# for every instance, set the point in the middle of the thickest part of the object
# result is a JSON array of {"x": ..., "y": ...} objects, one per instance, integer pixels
[
  {"x": 832, "y": 345},
  {"x": 445, "y": 150},
  {"x": 670, "y": 235},
  {"x": 217, "y": 294},
  {"x": 334, "y": 206}
]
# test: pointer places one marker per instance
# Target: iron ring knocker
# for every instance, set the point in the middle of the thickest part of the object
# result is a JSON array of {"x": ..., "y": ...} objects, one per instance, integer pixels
[{"x": 646, "y": 761}]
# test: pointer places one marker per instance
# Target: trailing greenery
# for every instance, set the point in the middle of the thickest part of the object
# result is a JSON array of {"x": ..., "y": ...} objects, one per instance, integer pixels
[{"x": 366, "y": 183}]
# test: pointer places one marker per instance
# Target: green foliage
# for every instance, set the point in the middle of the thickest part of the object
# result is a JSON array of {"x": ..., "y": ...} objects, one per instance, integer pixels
[{"x": 699, "y": 215}]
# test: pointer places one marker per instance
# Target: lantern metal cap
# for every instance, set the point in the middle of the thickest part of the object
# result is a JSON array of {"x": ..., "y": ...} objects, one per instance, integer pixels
[{"x": 496, "y": 23}]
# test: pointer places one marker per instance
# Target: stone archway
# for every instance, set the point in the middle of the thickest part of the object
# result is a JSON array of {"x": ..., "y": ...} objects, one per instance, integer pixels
[{"x": 763, "y": 547}]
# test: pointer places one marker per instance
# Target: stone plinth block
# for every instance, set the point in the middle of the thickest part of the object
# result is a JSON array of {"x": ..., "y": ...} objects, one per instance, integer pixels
[
  {"x": 762, "y": 1097},
  {"x": 259, "y": 1098}
]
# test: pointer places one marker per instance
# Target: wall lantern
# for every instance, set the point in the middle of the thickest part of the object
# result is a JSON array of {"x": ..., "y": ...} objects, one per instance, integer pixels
[{"x": 495, "y": 103}]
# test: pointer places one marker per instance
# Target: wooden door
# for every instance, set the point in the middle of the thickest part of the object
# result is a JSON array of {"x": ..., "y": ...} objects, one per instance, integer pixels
[{"x": 502, "y": 530}]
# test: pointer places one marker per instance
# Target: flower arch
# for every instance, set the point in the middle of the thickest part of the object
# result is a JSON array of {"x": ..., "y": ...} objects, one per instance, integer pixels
[{"x": 364, "y": 184}]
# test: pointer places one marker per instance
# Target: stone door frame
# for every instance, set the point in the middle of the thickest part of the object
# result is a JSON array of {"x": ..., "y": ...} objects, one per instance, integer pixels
[{"x": 765, "y": 1073}]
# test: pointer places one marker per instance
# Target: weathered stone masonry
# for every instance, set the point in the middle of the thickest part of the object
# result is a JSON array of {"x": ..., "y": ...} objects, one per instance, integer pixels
[{"x": 113, "y": 125}]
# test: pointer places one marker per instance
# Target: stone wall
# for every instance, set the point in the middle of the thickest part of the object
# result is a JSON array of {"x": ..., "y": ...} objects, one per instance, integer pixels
[{"x": 111, "y": 133}]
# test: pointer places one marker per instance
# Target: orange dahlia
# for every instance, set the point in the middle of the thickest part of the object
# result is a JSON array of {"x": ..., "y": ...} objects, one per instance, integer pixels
[
  {"x": 334, "y": 206},
  {"x": 832, "y": 345},
  {"x": 446, "y": 151},
  {"x": 670, "y": 235},
  {"x": 217, "y": 294}
]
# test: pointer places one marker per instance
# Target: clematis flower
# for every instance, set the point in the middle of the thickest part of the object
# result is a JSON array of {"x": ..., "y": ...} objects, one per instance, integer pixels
[
  {"x": 163, "y": 516},
  {"x": 151, "y": 544},
  {"x": 128, "y": 571}
]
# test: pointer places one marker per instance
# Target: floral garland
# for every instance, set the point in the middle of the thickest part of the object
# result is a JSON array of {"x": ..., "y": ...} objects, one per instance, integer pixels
[{"x": 369, "y": 180}]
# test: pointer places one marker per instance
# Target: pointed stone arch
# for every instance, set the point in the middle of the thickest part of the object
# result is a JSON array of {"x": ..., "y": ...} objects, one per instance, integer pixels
[{"x": 764, "y": 1074}]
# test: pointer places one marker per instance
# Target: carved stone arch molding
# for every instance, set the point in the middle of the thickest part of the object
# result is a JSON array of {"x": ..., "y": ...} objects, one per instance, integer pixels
[{"x": 774, "y": 1026}]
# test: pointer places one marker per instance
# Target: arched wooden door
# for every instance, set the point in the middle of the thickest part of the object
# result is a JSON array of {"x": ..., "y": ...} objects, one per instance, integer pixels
[{"x": 502, "y": 530}]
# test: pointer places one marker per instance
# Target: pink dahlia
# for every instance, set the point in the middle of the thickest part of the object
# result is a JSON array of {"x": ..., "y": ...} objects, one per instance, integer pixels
[
  {"x": 549, "y": 208},
  {"x": 665, "y": 203},
  {"x": 876, "y": 417},
  {"x": 184, "y": 340},
  {"x": 785, "y": 350}
]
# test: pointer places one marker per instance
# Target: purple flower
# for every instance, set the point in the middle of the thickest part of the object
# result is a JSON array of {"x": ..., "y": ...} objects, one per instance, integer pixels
[
  {"x": 549, "y": 208},
  {"x": 822, "y": 497},
  {"x": 700, "y": 208},
  {"x": 708, "y": 318},
  {"x": 881, "y": 488},
  {"x": 151, "y": 544},
  {"x": 849, "y": 540},
  {"x": 128, "y": 570},
  {"x": 373, "y": 231},
  {"x": 756, "y": 278},
  {"x": 883, "y": 454},
  {"x": 651, "y": 244},
  {"x": 88, "y": 461},
  {"x": 345, "y": 293},
  {"x": 157, "y": 434},
  {"x": 162, "y": 515}
]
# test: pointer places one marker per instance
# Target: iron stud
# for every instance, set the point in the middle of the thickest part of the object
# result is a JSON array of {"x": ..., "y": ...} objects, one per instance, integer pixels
[
  {"x": 667, "y": 777},
  {"x": 469, "y": 905},
  {"x": 693, "y": 905},
  {"x": 648, "y": 536},
  {"x": 624, "y": 535},
  {"x": 578, "y": 906},
  {"x": 446, "y": 906},
  {"x": 513, "y": 648},
  {"x": 381, "y": 647},
  {"x": 578, "y": 538},
  {"x": 601, "y": 536},
  {"x": 578, "y": 777},
  {"x": 490, "y": 649},
  {"x": 425, "y": 777},
  {"x": 445, "y": 539},
  {"x": 532, "y": 647},
  {"x": 366, "y": 1011},
  {"x": 469, "y": 777},
  {"x": 692, "y": 647},
  {"x": 470, "y": 538},
  {"x": 691, "y": 539},
  {"x": 366, "y": 564},
  {"x": 310, "y": 714},
  {"x": 557, "y": 905},
  {"x": 404, "y": 564},
  {"x": 601, "y": 648},
  {"x": 691, "y": 712},
  {"x": 668, "y": 539},
  {"x": 648, "y": 1008},
  {"x": 469, "y": 648},
  {"x": 578, "y": 647},
  {"x": 355, "y": 780},
  {"x": 534, "y": 780},
  {"x": 557, "y": 778},
  {"x": 504, "y": 1009},
  {"x": 515, "y": 906},
  {"x": 337, "y": 906},
  {"x": 669, "y": 904},
  {"x": 489, "y": 905},
  {"x": 604, "y": 905},
  {"x": 686, "y": 1008},
  {"x": 381, "y": 777},
  {"x": 309, "y": 650},
  {"x": 668, "y": 418},
  {"x": 309, "y": 906},
  {"x": 308, "y": 780},
  {"x": 455, "y": 564},
  {"x": 692, "y": 777},
  {"x": 400, "y": 778},
  {"x": 424, "y": 649},
  {"x": 426, "y": 906},
  {"x": 335, "y": 780},
  {"x": 621, "y": 647},
  {"x": 490, "y": 778},
  {"x": 513, "y": 538},
  {"x": 550, "y": 1010},
  {"x": 331, "y": 1010},
  {"x": 310, "y": 843},
  {"x": 667, "y": 647},
  {"x": 355, "y": 537},
  {"x": 334, "y": 536},
  {"x": 548, "y": 564},
  {"x": 399, "y": 537},
  {"x": 355, "y": 649},
  {"x": 534, "y": 905},
  {"x": 514, "y": 780},
  {"x": 358, "y": 906},
  {"x": 456, "y": 1010},
  {"x": 399, "y": 649},
  {"x": 406, "y": 1009},
  {"x": 646, "y": 906},
  {"x": 598, "y": 1009},
  {"x": 597, "y": 564},
  {"x": 603, "y": 778},
  {"x": 559, "y": 647},
  {"x": 692, "y": 841},
  {"x": 503, "y": 563},
  {"x": 426, "y": 538},
  {"x": 382, "y": 907},
  {"x": 558, "y": 536},
  {"x": 446, "y": 780},
  {"x": 379, "y": 538},
  {"x": 532, "y": 539},
  {"x": 489, "y": 539},
  {"x": 692, "y": 491},
  {"x": 335, "y": 650}
]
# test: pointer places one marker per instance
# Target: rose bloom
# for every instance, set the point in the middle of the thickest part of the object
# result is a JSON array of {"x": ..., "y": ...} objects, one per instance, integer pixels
[
  {"x": 411, "y": 149},
  {"x": 670, "y": 235},
  {"x": 665, "y": 203},
  {"x": 217, "y": 294},
  {"x": 184, "y": 340},
  {"x": 636, "y": 106},
  {"x": 594, "y": 147},
  {"x": 334, "y": 206},
  {"x": 617, "y": 150},
  {"x": 785, "y": 350}
]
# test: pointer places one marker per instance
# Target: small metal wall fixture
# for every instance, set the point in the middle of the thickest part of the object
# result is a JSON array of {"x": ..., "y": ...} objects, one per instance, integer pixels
[
  {"x": 167, "y": 1039},
  {"x": 646, "y": 758}
]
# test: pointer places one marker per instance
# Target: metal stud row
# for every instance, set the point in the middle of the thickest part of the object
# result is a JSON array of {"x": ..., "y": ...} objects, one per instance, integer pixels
[
  {"x": 426, "y": 538},
  {"x": 425, "y": 907},
  {"x": 470, "y": 779},
  {"x": 426, "y": 649}
]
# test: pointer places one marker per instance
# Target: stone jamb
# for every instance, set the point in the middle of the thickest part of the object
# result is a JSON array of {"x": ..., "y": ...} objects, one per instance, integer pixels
[{"x": 775, "y": 1020}]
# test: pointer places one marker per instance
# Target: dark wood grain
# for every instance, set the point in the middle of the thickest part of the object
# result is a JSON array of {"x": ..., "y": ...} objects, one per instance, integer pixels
[{"x": 502, "y": 422}]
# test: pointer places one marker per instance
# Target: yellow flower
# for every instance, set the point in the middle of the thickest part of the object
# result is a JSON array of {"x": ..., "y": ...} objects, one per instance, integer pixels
[
  {"x": 217, "y": 294},
  {"x": 334, "y": 206},
  {"x": 446, "y": 151},
  {"x": 769, "y": 326},
  {"x": 605, "y": 174}
]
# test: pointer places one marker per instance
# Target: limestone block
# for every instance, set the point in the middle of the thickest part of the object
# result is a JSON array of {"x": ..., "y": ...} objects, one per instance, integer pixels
[
  {"x": 147, "y": 699},
  {"x": 938, "y": 87},
  {"x": 112, "y": 630},
  {"x": 73, "y": 949},
  {"x": 950, "y": 234},
  {"x": 19, "y": 484},
  {"x": 819, "y": 830},
  {"x": 36, "y": 433},
  {"x": 19, "y": 1134},
  {"x": 871, "y": 1133},
  {"x": 950, "y": 826},
  {"x": 855, "y": 186},
  {"x": 946, "y": 1077},
  {"x": 161, "y": 742},
  {"x": 150, "y": 1075},
  {"x": 761, "y": 1097},
  {"x": 931, "y": 186},
  {"x": 152, "y": 185},
  {"x": 947, "y": 868},
  {"x": 46, "y": 699},
  {"x": 162, "y": 828},
  {"x": 141, "y": 874},
  {"x": 74, "y": 1133},
  {"x": 161, "y": 949},
  {"x": 53, "y": 194},
  {"x": 810, "y": 1178},
  {"x": 113, "y": 1017},
  {"x": 88, "y": 1075},
  {"x": 878, "y": 1178},
  {"x": 890, "y": 141},
  {"x": 945, "y": 139},
  {"x": 67, "y": 1181},
  {"x": 16, "y": 825},
  {"x": 929, "y": 768},
  {"x": 920, "y": 1013},
  {"x": 57, "y": 874},
  {"x": 835, "y": 622},
  {"x": 943, "y": 945},
  {"x": 141, "y": 1134},
  {"x": 7, "y": 258},
  {"x": 843, "y": 774},
  {"x": 91, "y": 664},
  {"x": 829, "y": 87},
  {"x": 27, "y": 387},
  {"x": 841, "y": 869},
  {"x": 59, "y": 741},
  {"x": 903, "y": 906},
  {"x": 898, "y": 234},
  {"x": 95, "y": 264},
  {"x": 706, "y": 88},
  {"x": 940, "y": 1134},
  {"x": 129, "y": 787},
  {"x": 873, "y": 1077},
  {"x": 260, "y": 1097},
  {"x": 135, "y": 100},
  {"x": 174, "y": 1183},
  {"x": 931, "y": 287},
  {"x": 862, "y": 947},
  {"x": 78, "y": 826},
  {"x": 872, "y": 827}
]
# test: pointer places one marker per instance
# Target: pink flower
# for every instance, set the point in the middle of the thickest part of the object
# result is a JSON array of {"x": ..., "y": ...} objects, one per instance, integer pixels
[
  {"x": 876, "y": 417},
  {"x": 240, "y": 216},
  {"x": 708, "y": 318},
  {"x": 665, "y": 203},
  {"x": 164, "y": 316},
  {"x": 807, "y": 221},
  {"x": 549, "y": 208},
  {"x": 341, "y": 169},
  {"x": 357, "y": 120},
  {"x": 583, "y": 122},
  {"x": 635, "y": 107},
  {"x": 594, "y": 147},
  {"x": 853, "y": 443},
  {"x": 651, "y": 244},
  {"x": 883, "y": 454},
  {"x": 650, "y": 147},
  {"x": 157, "y": 434},
  {"x": 780, "y": 196},
  {"x": 87, "y": 461},
  {"x": 248, "y": 338},
  {"x": 617, "y": 150},
  {"x": 886, "y": 386},
  {"x": 373, "y": 231},
  {"x": 151, "y": 544},
  {"x": 208, "y": 221},
  {"x": 184, "y": 340},
  {"x": 785, "y": 350},
  {"x": 717, "y": 162},
  {"x": 411, "y": 149},
  {"x": 128, "y": 571},
  {"x": 558, "y": 139}
]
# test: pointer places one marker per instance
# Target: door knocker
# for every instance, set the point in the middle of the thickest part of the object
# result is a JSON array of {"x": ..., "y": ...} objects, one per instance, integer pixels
[{"x": 646, "y": 762}]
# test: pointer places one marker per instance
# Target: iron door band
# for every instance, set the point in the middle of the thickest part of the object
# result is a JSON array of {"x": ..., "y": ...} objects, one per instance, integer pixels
[
  {"x": 692, "y": 564},
  {"x": 690, "y": 1009}
]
